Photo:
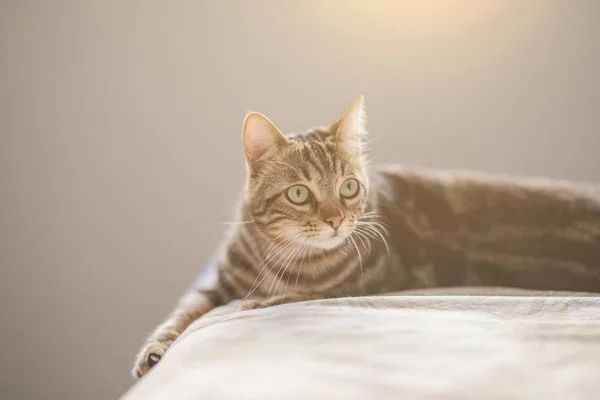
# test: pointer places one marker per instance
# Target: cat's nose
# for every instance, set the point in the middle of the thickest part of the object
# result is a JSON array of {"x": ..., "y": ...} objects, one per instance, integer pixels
[
  {"x": 331, "y": 213},
  {"x": 335, "y": 220}
]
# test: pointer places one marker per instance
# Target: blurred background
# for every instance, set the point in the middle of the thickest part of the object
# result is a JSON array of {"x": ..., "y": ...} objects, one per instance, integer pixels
[{"x": 120, "y": 146}]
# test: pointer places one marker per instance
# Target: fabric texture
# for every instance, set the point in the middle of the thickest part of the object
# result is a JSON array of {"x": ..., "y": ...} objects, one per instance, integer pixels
[{"x": 473, "y": 343}]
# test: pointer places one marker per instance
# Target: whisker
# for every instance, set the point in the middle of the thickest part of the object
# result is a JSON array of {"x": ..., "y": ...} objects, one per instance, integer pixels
[
  {"x": 374, "y": 219},
  {"x": 274, "y": 244},
  {"x": 360, "y": 262},
  {"x": 359, "y": 236},
  {"x": 374, "y": 224},
  {"x": 285, "y": 264},
  {"x": 269, "y": 258},
  {"x": 289, "y": 256},
  {"x": 271, "y": 269},
  {"x": 372, "y": 214},
  {"x": 302, "y": 250},
  {"x": 306, "y": 246},
  {"x": 368, "y": 229},
  {"x": 310, "y": 249},
  {"x": 375, "y": 233},
  {"x": 282, "y": 266}
]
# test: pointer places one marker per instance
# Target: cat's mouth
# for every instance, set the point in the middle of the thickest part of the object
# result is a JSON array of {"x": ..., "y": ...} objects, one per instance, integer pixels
[
  {"x": 330, "y": 241},
  {"x": 326, "y": 239}
]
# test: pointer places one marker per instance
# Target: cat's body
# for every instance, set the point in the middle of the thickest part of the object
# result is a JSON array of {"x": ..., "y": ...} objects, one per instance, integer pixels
[{"x": 389, "y": 230}]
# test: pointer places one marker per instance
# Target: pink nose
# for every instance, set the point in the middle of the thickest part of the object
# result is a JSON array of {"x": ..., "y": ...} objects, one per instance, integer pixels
[
  {"x": 332, "y": 215},
  {"x": 334, "y": 220}
]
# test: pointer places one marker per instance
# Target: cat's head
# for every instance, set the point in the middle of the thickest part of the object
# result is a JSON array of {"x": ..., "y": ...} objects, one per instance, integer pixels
[{"x": 310, "y": 187}]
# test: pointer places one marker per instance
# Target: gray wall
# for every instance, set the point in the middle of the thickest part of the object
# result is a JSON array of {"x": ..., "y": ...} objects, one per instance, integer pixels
[{"x": 120, "y": 143}]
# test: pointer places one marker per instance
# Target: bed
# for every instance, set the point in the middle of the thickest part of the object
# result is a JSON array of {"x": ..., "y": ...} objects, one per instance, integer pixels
[{"x": 476, "y": 343}]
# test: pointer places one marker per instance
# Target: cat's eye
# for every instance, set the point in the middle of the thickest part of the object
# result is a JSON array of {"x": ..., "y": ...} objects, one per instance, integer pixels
[
  {"x": 349, "y": 188},
  {"x": 298, "y": 194}
]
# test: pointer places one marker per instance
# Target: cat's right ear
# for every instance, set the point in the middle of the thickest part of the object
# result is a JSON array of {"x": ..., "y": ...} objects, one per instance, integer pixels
[{"x": 262, "y": 139}]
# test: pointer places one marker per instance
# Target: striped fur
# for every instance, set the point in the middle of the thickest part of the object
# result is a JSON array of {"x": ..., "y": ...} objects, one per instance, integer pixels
[{"x": 406, "y": 229}]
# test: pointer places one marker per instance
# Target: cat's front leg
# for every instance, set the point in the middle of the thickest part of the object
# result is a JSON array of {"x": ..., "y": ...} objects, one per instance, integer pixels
[
  {"x": 191, "y": 307},
  {"x": 253, "y": 304}
]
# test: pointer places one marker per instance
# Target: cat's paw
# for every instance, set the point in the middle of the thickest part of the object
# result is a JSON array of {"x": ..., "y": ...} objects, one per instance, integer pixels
[
  {"x": 253, "y": 305},
  {"x": 150, "y": 354}
]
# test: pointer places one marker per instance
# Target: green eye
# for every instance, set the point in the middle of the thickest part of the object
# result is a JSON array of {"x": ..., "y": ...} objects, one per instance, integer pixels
[
  {"x": 349, "y": 188},
  {"x": 298, "y": 194}
]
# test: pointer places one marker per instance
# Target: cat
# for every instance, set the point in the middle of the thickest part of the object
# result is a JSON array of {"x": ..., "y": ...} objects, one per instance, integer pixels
[{"x": 316, "y": 223}]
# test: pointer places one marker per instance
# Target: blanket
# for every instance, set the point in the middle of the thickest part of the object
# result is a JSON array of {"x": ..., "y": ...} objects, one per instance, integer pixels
[{"x": 473, "y": 343}]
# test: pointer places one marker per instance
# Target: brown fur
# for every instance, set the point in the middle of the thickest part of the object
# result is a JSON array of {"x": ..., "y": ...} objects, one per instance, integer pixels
[{"x": 405, "y": 229}]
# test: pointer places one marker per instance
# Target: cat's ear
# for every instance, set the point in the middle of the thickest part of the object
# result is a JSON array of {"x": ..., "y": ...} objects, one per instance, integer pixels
[
  {"x": 351, "y": 127},
  {"x": 262, "y": 139}
]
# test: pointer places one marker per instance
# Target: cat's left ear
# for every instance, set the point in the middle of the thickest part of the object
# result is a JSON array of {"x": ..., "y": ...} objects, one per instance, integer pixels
[
  {"x": 351, "y": 128},
  {"x": 262, "y": 139}
]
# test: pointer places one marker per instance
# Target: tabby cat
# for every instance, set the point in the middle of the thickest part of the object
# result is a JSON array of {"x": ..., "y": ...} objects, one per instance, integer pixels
[{"x": 315, "y": 224}]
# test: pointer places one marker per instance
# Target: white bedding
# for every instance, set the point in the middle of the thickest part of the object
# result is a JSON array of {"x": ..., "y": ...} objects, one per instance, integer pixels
[{"x": 508, "y": 345}]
